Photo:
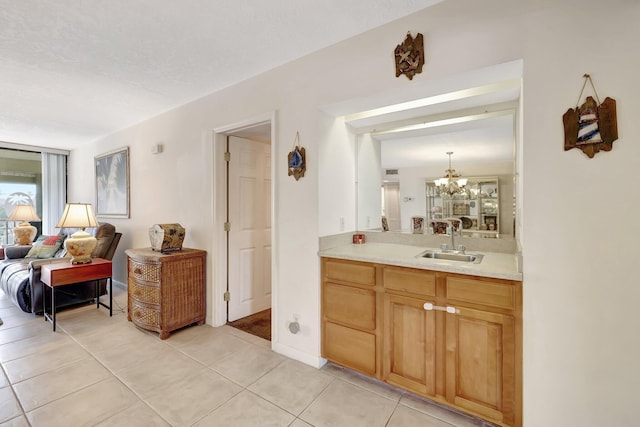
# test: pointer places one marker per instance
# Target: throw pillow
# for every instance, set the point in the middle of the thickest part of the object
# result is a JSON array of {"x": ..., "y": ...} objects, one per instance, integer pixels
[{"x": 45, "y": 247}]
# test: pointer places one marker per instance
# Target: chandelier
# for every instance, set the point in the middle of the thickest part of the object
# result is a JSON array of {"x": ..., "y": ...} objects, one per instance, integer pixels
[{"x": 451, "y": 184}]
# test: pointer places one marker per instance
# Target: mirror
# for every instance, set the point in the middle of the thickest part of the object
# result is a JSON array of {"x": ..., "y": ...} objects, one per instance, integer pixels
[{"x": 398, "y": 161}]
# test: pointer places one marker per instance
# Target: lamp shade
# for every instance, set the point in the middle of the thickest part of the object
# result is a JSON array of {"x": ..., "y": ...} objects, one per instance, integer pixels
[
  {"x": 80, "y": 244},
  {"x": 77, "y": 215},
  {"x": 24, "y": 213},
  {"x": 24, "y": 233}
]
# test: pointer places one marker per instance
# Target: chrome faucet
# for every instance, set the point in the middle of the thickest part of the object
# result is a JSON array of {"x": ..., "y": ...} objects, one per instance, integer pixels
[{"x": 452, "y": 230}]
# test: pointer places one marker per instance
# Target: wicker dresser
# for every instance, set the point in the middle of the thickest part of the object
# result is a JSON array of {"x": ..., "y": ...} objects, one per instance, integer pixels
[{"x": 166, "y": 291}]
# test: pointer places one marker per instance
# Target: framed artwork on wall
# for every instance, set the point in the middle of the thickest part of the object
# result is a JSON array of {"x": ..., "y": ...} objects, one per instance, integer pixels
[{"x": 112, "y": 184}]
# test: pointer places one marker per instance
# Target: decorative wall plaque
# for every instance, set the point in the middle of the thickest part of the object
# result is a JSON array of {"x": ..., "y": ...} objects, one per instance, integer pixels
[
  {"x": 296, "y": 159},
  {"x": 592, "y": 126},
  {"x": 409, "y": 56}
]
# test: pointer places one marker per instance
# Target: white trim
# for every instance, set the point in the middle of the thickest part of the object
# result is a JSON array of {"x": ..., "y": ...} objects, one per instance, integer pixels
[
  {"x": 218, "y": 177},
  {"x": 315, "y": 361}
]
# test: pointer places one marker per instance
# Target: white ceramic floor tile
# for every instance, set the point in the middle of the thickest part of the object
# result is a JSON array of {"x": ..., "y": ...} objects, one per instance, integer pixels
[
  {"x": 20, "y": 421},
  {"x": 253, "y": 339},
  {"x": 291, "y": 385},
  {"x": 404, "y": 416},
  {"x": 164, "y": 368},
  {"x": 9, "y": 406},
  {"x": 247, "y": 410},
  {"x": 35, "y": 344},
  {"x": 137, "y": 415},
  {"x": 247, "y": 366},
  {"x": 438, "y": 411},
  {"x": 86, "y": 407},
  {"x": 38, "y": 363},
  {"x": 119, "y": 357},
  {"x": 344, "y": 404},
  {"x": 114, "y": 336},
  {"x": 52, "y": 385},
  {"x": 30, "y": 329},
  {"x": 214, "y": 348},
  {"x": 365, "y": 382},
  {"x": 185, "y": 401}
]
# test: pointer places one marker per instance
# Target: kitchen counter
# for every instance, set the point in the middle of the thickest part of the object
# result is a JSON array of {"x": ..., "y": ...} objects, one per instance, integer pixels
[{"x": 496, "y": 265}]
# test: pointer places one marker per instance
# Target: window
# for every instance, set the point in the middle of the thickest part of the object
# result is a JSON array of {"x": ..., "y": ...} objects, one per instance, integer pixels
[{"x": 23, "y": 175}]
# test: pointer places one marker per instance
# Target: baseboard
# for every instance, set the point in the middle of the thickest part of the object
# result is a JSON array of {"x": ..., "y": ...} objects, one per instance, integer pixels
[
  {"x": 292, "y": 353},
  {"x": 120, "y": 285}
]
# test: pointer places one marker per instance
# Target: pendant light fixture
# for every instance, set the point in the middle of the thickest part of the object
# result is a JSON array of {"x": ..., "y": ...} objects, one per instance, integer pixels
[{"x": 451, "y": 184}]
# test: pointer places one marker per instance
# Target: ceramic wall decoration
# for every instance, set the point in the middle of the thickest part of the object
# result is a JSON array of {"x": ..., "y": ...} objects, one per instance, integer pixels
[
  {"x": 296, "y": 160},
  {"x": 409, "y": 56},
  {"x": 592, "y": 126}
]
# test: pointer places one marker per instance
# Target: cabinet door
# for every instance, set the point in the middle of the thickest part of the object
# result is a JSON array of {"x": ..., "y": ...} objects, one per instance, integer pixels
[
  {"x": 409, "y": 359},
  {"x": 480, "y": 363}
]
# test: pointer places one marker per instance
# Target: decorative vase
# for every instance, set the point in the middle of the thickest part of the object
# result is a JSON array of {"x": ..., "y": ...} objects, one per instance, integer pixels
[
  {"x": 24, "y": 233},
  {"x": 166, "y": 237},
  {"x": 80, "y": 245}
]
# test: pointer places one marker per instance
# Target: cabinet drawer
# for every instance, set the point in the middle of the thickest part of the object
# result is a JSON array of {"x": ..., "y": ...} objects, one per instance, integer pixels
[
  {"x": 408, "y": 280},
  {"x": 484, "y": 292},
  {"x": 144, "y": 293},
  {"x": 352, "y": 306},
  {"x": 144, "y": 271},
  {"x": 351, "y": 348},
  {"x": 144, "y": 316},
  {"x": 353, "y": 272}
]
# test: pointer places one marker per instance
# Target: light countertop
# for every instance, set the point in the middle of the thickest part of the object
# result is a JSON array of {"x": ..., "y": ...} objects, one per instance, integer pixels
[{"x": 494, "y": 264}]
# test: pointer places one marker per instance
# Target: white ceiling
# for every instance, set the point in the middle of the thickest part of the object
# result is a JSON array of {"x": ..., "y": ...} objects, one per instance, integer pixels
[{"x": 72, "y": 72}]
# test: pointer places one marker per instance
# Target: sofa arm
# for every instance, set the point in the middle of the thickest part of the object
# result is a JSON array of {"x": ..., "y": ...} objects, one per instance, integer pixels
[{"x": 17, "y": 251}]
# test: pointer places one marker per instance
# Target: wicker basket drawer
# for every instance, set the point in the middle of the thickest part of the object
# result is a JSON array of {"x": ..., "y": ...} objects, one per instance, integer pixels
[
  {"x": 144, "y": 316},
  {"x": 144, "y": 271},
  {"x": 143, "y": 293}
]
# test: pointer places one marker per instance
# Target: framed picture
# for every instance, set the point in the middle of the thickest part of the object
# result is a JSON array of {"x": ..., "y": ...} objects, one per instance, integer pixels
[{"x": 112, "y": 184}]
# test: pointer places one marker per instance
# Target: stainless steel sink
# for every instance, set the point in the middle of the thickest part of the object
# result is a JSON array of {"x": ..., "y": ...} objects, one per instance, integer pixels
[{"x": 451, "y": 256}]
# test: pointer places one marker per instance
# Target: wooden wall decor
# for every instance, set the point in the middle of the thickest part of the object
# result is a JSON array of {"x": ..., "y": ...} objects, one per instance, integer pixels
[
  {"x": 592, "y": 126},
  {"x": 409, "y": 56},
  {"x": 296, "y": 159}
]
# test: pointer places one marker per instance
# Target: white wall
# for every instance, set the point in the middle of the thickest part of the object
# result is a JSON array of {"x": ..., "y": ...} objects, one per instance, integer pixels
[{"x": 580, "y": 343}]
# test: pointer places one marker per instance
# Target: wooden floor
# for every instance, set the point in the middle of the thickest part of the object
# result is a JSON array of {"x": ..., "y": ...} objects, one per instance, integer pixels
[{"x": 258, "y": 324}]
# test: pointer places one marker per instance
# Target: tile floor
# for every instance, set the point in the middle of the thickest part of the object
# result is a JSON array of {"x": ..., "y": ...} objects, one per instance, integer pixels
[{"x": 101, "y": 371}]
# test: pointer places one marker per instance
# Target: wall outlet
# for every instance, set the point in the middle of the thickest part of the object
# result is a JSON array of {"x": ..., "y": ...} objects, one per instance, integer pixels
[{"x": 341, "y": 223}]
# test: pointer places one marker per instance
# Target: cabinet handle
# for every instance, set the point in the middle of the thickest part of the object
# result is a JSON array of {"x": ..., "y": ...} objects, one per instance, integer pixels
[{"x": 449, "y": 309}]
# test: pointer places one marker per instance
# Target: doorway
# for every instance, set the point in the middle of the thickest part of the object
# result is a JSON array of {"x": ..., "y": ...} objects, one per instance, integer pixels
[{"x": 248, "y": 228}]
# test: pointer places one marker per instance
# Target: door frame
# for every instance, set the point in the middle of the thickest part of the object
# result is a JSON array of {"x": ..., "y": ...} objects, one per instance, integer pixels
[{"x": 219, "y": 199}]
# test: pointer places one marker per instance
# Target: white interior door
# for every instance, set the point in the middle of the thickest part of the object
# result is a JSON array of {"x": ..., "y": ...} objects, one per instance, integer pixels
[
  {"x": 392, "y": 205},
  {"x": 250, "y": 233}
]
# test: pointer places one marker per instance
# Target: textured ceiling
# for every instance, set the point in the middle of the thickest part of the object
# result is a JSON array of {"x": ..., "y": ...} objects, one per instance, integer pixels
[{"x": 73, "y": 71}]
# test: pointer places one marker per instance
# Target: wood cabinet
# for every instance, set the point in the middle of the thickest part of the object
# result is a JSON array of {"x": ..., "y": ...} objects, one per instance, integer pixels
[
  {"x": 483, "y": 363},
  {"x": 166, "y": 291},
  {"x": 350, "y": 331},
  {"x": 453, "y": 338}
]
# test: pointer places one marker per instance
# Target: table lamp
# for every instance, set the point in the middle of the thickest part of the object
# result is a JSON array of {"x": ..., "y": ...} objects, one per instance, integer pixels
[
  {"x": 80, "y": 244},
  {"x": 24, "y": 233}
]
